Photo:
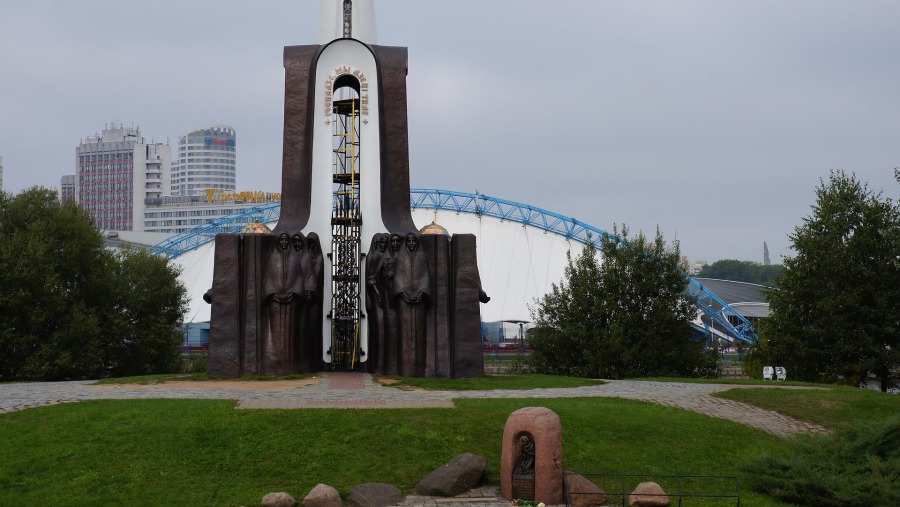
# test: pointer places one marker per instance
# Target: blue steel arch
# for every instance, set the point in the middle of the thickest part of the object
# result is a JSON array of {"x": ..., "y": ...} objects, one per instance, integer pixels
[{"x": 478, "y": 204}]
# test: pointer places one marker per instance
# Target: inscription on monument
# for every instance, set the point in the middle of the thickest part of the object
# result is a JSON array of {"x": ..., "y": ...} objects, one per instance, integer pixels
[
  {"x": 523, "y": 487},
  {"x": 363, "y": 88}
]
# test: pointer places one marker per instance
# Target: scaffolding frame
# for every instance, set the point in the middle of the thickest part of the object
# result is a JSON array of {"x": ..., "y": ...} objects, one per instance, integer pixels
[{"x": 346, "y": 223}]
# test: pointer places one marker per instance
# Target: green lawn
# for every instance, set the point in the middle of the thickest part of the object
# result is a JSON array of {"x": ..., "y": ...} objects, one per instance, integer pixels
[
  {"x": 833, "y": 406},
  {"x": 203, "y": 452}
]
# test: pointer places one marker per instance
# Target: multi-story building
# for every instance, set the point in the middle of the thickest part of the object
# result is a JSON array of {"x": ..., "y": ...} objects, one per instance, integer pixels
[
  {"x": 206, "y": 160},
  {"x": 67, "y": 189},
  {"x": 176, "y": 214},
  {"x": 117, "y": 171},
  {"x": 1, "y": 173}
]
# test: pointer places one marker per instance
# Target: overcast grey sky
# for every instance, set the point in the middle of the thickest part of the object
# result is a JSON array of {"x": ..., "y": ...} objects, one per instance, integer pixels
[{"x": 712, "y": 119}]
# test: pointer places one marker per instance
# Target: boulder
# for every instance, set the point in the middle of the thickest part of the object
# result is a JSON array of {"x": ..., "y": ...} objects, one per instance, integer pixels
[
  {"x": 648, "y": 494},
  {"x": 582, "y": 492},
  {"x": 323, "y": 495},
  {"x": 454, "y": 478},
  {"x": 375, "y": 494},
  {"x": 278, "y": 500}
]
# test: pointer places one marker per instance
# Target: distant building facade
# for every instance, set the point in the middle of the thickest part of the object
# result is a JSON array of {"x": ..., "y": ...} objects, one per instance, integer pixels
[
  {"x": 1, "y": 173},
  {"x": 67, "y": 189},
  {"x": 176, "y": 214},
  {"x": 206, "y": 159},
  {"x": 117, "y": 171}
]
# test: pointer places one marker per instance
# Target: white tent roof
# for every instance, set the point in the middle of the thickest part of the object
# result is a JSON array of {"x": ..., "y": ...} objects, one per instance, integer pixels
[{"x": 517, "y": 264}]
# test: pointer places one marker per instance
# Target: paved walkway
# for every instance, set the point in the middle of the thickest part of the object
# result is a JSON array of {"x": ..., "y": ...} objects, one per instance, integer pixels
[{"x": 356, "y": 390}]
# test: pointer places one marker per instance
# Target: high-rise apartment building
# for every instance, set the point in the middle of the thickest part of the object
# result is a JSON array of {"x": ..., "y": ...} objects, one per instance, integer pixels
[
  {"x": 206, "y": 160},
  {"x": 67, "y": 189},
  {"x": 116, "y": 172}
]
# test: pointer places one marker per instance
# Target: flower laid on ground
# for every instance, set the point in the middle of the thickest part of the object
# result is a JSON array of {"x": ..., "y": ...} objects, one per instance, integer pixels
[{"x": 527, "y": 503}]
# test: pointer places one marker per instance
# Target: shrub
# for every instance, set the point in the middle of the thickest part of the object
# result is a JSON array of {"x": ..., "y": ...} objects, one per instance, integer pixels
[{"x": 856, "y": 467}]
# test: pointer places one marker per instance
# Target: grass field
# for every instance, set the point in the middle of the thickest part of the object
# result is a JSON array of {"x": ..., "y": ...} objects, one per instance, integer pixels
[
  {"x": 204, "y": 452},
  {"x": 833, "y": 407}
]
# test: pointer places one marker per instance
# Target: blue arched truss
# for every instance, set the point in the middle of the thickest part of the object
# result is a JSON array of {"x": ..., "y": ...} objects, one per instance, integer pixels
[{"x": 712, "y": 305}]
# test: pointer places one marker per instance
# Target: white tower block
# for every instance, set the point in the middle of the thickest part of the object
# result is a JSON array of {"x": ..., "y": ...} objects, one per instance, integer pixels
[{"x": 331, "y": 21}]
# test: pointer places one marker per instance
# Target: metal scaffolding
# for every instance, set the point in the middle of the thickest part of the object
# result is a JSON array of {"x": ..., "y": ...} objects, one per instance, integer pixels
[{"x": 345, "y": 225}]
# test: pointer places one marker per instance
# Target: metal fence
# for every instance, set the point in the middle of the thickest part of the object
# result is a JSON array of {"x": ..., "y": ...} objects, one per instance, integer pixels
[{"x": 681, "y": 490}]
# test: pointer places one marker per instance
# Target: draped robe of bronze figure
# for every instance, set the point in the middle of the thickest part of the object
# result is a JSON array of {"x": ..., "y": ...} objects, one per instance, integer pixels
[
  {"x": 386, "y": 282},
  {"x": 304, "y": 303},
  {"x": 374, "y": 311},
  {"x": 313, "y": 266},
  {"x": 410, "y": 295},
  {"x": 282, "y": 289}
]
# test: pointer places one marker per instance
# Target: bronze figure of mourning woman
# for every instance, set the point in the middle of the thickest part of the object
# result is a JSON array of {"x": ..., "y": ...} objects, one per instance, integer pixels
[
  {"x": 374, "y": 306},
  {"x": 282, "y": 294},
  {"x": 312, "y": 266},
  {"x": 410, "y": 294}
]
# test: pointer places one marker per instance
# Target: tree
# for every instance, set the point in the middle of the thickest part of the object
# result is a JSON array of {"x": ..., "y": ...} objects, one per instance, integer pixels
[
  {"x": 742, "y": 271},
  {"x": 837, "y": 312},
  {"x": 71, "y": 308},
  {"x": 626, "y": 316}
]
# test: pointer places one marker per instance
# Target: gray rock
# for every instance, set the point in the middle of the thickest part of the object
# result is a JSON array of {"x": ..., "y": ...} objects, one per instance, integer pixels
[
  {"x": 582, "y": 492},
  {"x": 323, "y": 495},
  {"x": 454, "y": 478},
  {"x": 648, "y": 494},
  {"x": 278, "y": 500},
  {"x": 375, "y": 494}
]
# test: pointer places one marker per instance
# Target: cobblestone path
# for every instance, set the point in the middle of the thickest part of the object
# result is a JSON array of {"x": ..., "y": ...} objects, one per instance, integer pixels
[{"x": 356, "y": 390}]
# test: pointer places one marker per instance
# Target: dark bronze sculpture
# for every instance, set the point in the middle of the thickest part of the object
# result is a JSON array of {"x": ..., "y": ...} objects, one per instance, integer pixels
[
  {"x": 314, "y": 268},
  {"x": 525, "y": 463},
  {"x": 374, "y": 305},
  {"x": 282, "y": 290},
  {"x": 409, "y": 294},
  {"x": 420, "y": 294}
]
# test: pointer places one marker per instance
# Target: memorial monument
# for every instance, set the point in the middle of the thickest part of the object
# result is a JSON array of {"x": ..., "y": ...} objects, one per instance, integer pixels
[{"x": 308, "y": 296}]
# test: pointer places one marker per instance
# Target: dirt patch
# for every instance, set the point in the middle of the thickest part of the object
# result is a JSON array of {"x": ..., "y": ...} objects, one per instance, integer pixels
[
  {"x": 234, "y": 385},
  {"x": 393, "y": 383}
]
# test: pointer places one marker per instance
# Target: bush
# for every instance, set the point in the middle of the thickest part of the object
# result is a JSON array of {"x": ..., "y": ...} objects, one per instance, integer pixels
[
  {"x": 194, "y": 363},
  {"x": 855, "y": 467},
  {"x": 627, "y": 316}
]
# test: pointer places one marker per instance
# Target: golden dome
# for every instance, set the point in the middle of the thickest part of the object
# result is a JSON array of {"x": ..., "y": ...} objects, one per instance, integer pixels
[
  {"x": 434, "y": 228},
  {"x": 256, "y": 228}
]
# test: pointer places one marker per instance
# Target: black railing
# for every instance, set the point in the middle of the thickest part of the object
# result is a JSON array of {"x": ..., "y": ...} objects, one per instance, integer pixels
[{"x": 682, "y": 490}]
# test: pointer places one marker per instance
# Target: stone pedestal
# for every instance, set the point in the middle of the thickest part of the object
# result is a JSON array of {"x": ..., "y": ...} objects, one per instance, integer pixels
[{"x": 543, "y": 429}]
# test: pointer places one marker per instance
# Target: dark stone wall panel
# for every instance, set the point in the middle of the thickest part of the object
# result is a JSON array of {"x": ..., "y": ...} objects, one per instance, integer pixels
[
  {"x": 299, "y": 107},
  {"x": 392, "y": 70},
  {"x": 468, "y": 360},
  {"x": 438, "y": 362},
  {"x": 253, "y": 264},
  {"x": 225, "y": 325}
]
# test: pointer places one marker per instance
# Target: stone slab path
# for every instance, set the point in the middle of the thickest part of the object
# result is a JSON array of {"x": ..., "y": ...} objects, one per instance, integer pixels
[{"x": 358, "y": 390}]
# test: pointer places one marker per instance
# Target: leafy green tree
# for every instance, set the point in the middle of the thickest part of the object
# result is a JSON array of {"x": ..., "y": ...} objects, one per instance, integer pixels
[
  {"x": 626, "y": 316},
  {"x": 742, "y": 271},
  {"x": 837, "y": 312},
  {"x": 71, "y": 308}
]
